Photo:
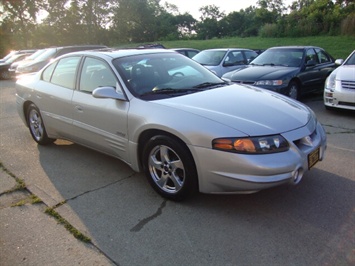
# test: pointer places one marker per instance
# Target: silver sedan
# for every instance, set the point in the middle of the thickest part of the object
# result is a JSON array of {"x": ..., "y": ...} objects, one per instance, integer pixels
[{"x": 169, "y": 117}]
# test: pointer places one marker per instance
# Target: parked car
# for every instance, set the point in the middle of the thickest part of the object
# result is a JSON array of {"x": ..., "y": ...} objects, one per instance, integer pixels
[
  {"x": 151, "y": 46},
  {"x": 14, "y": 65},
  {"x": 4, "y": 67},
  {"x": 339, "y": 89},
  {"x": 51, "y": 53},
  {"x": 189, "y": 52},
  {"x": 29, "y": 51},
  {"x": 168, "y": 116},
  {"x": 223, "y": 60},
  {"x": 289, "y": 70}
]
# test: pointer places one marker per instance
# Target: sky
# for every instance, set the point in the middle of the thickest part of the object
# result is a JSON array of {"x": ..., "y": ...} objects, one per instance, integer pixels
[{"x": 226, "y": 6}]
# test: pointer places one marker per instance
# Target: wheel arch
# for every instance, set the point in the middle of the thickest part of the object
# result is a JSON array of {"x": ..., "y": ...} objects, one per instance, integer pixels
[
  {"x": 146, "y": 135},
  {"x": 25, "y": 110}
]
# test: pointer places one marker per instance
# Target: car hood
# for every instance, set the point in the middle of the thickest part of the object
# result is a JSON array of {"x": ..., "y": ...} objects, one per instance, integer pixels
[
  {"x": 254, "y": 73},
  {"x": 248, "y": 109},
  {"x": 345, "y": 72},
  {"x": 4, "y": 64}
]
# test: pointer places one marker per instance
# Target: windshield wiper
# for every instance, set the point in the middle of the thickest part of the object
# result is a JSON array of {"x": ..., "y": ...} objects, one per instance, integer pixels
[
  {"x": 168, "y": 91},
  {"x": 209, "y": 85},
  {"x": 269, "y": 64}
]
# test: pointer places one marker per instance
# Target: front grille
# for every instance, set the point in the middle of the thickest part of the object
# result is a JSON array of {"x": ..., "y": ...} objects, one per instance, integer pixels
[
  {"x": 348, "y": 84},
  {"x": 347, "y": 103},
  {"x": 244, "y": 82}
]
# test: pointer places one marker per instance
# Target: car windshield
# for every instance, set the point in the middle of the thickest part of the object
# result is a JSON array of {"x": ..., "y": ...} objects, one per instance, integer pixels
[
  {"x": 48, "y": 53},
  {"x": 168, "y": 74},
  {"x": 15, "y": 58},
  {"x": 290, "y": 57},
  {"x": 210, "y": 57},
  {"x": 350, "y": 60},
  {"x": 36, "y": 54}
]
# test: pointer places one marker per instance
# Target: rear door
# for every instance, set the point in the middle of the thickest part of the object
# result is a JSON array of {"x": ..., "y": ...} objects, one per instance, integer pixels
[
  {"x": 54, "y": 93},
  {"x": 311, "y": 73}
]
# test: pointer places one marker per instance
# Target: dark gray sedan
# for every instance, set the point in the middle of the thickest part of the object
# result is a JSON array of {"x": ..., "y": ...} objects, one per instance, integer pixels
[{"x": 289, "y": 70}]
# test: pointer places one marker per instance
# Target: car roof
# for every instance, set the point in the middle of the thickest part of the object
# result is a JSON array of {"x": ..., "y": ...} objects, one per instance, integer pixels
[
  {"x": 295, "y": 46},
  {"x": 114, "y": 53},
  {"x": 227, "y": 49},
  {"x": 183, "y": 49}
]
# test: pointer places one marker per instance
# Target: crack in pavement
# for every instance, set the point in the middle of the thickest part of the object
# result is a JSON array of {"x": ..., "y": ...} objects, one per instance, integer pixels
[{"x": 143, "y": 222}]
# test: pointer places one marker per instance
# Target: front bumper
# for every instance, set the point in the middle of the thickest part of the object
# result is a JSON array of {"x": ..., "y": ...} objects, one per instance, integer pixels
[
  {"x": 223, "y": 172},
  {"x": 340, "y": 98}
]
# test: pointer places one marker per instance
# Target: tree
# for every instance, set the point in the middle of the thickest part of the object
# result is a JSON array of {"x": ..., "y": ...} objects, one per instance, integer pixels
[
  {"x": 20, "y": 18},
  {"x": 209, "y": 26},
  {"x": 134, "y": 20}
]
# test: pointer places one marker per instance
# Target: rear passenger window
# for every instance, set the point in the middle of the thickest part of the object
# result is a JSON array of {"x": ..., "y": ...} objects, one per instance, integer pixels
[
  {"x": 64, "y": 73},
  {"x": 322, "y": 56}
]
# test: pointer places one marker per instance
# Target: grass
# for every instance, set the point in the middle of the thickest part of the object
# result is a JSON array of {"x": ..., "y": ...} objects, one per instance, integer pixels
[
  {"x": 337, "y": 46},
  {"x": 32, "y": 199},
  {"x": 67, "y": 225}
]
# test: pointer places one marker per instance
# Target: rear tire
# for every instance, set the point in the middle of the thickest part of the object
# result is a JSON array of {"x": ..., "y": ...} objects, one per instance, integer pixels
[
  {"x": 36, "y": 126},
  {"x": 169, "y": 168}
]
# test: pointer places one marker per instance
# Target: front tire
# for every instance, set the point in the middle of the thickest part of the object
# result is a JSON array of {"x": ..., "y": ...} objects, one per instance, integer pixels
[
  {"x": 36, "y": 126},
  {"x": 293, "y": 90},
  {"x": 169, "y": 168},
  {"x": 5, "y": 75}
]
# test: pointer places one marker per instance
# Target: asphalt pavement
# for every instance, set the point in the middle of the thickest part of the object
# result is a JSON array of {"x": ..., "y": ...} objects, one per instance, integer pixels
[{"x": 129, "y": 224}]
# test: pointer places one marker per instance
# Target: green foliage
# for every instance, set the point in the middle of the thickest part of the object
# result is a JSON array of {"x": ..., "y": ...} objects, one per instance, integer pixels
[
  {"x": 269, "y": 30},
  {"x": 141, "y": 21},
  {"x": 77, "y": 234},
  {"x": 337, "y": 46}
]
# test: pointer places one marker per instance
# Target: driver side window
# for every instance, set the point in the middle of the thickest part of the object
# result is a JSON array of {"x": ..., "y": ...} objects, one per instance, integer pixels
[{"x": 95, "y": 73}]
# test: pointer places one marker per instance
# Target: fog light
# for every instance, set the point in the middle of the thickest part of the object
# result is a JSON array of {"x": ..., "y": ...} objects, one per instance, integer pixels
[{"x": 297, "y": 176}]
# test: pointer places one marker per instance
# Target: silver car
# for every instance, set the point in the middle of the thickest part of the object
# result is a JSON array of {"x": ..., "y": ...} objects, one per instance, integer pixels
[
  {"x": 224, "y": 60},
  {"x": 339, "y": 89},
  {"x": 169, "y": 117}
]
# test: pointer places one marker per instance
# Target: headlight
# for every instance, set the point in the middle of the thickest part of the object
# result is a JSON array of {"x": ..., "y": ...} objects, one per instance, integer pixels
[
  {"x": 252, "y": 145},
  {"x": 330, "y": 82},
  {"x": 277, "y": 82}
]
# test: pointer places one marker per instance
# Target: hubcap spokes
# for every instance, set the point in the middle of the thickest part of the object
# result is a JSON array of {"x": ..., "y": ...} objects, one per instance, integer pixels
[
  {"x": 166, "y": 169},
  {"x": 36, "y": 125}
]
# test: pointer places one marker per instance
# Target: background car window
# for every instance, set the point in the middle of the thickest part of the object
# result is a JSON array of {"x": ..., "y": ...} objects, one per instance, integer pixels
[
  {"x": 191, "y": 53},
  {"x": 235, "y": 58},
  {"x": 50, "y": 52},
  {"x": 250, "y": 55},
  {"x": 64, "y": 72},
  {"x": 95, "y": 73},
  {"x": 311, "y": 55},
  {"x": 322, "y": 56}
]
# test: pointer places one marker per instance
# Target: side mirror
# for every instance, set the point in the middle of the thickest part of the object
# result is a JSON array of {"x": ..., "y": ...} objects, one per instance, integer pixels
[
  {"x": 108, "y": 93},
  {"x": 339, "y": 62}
]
